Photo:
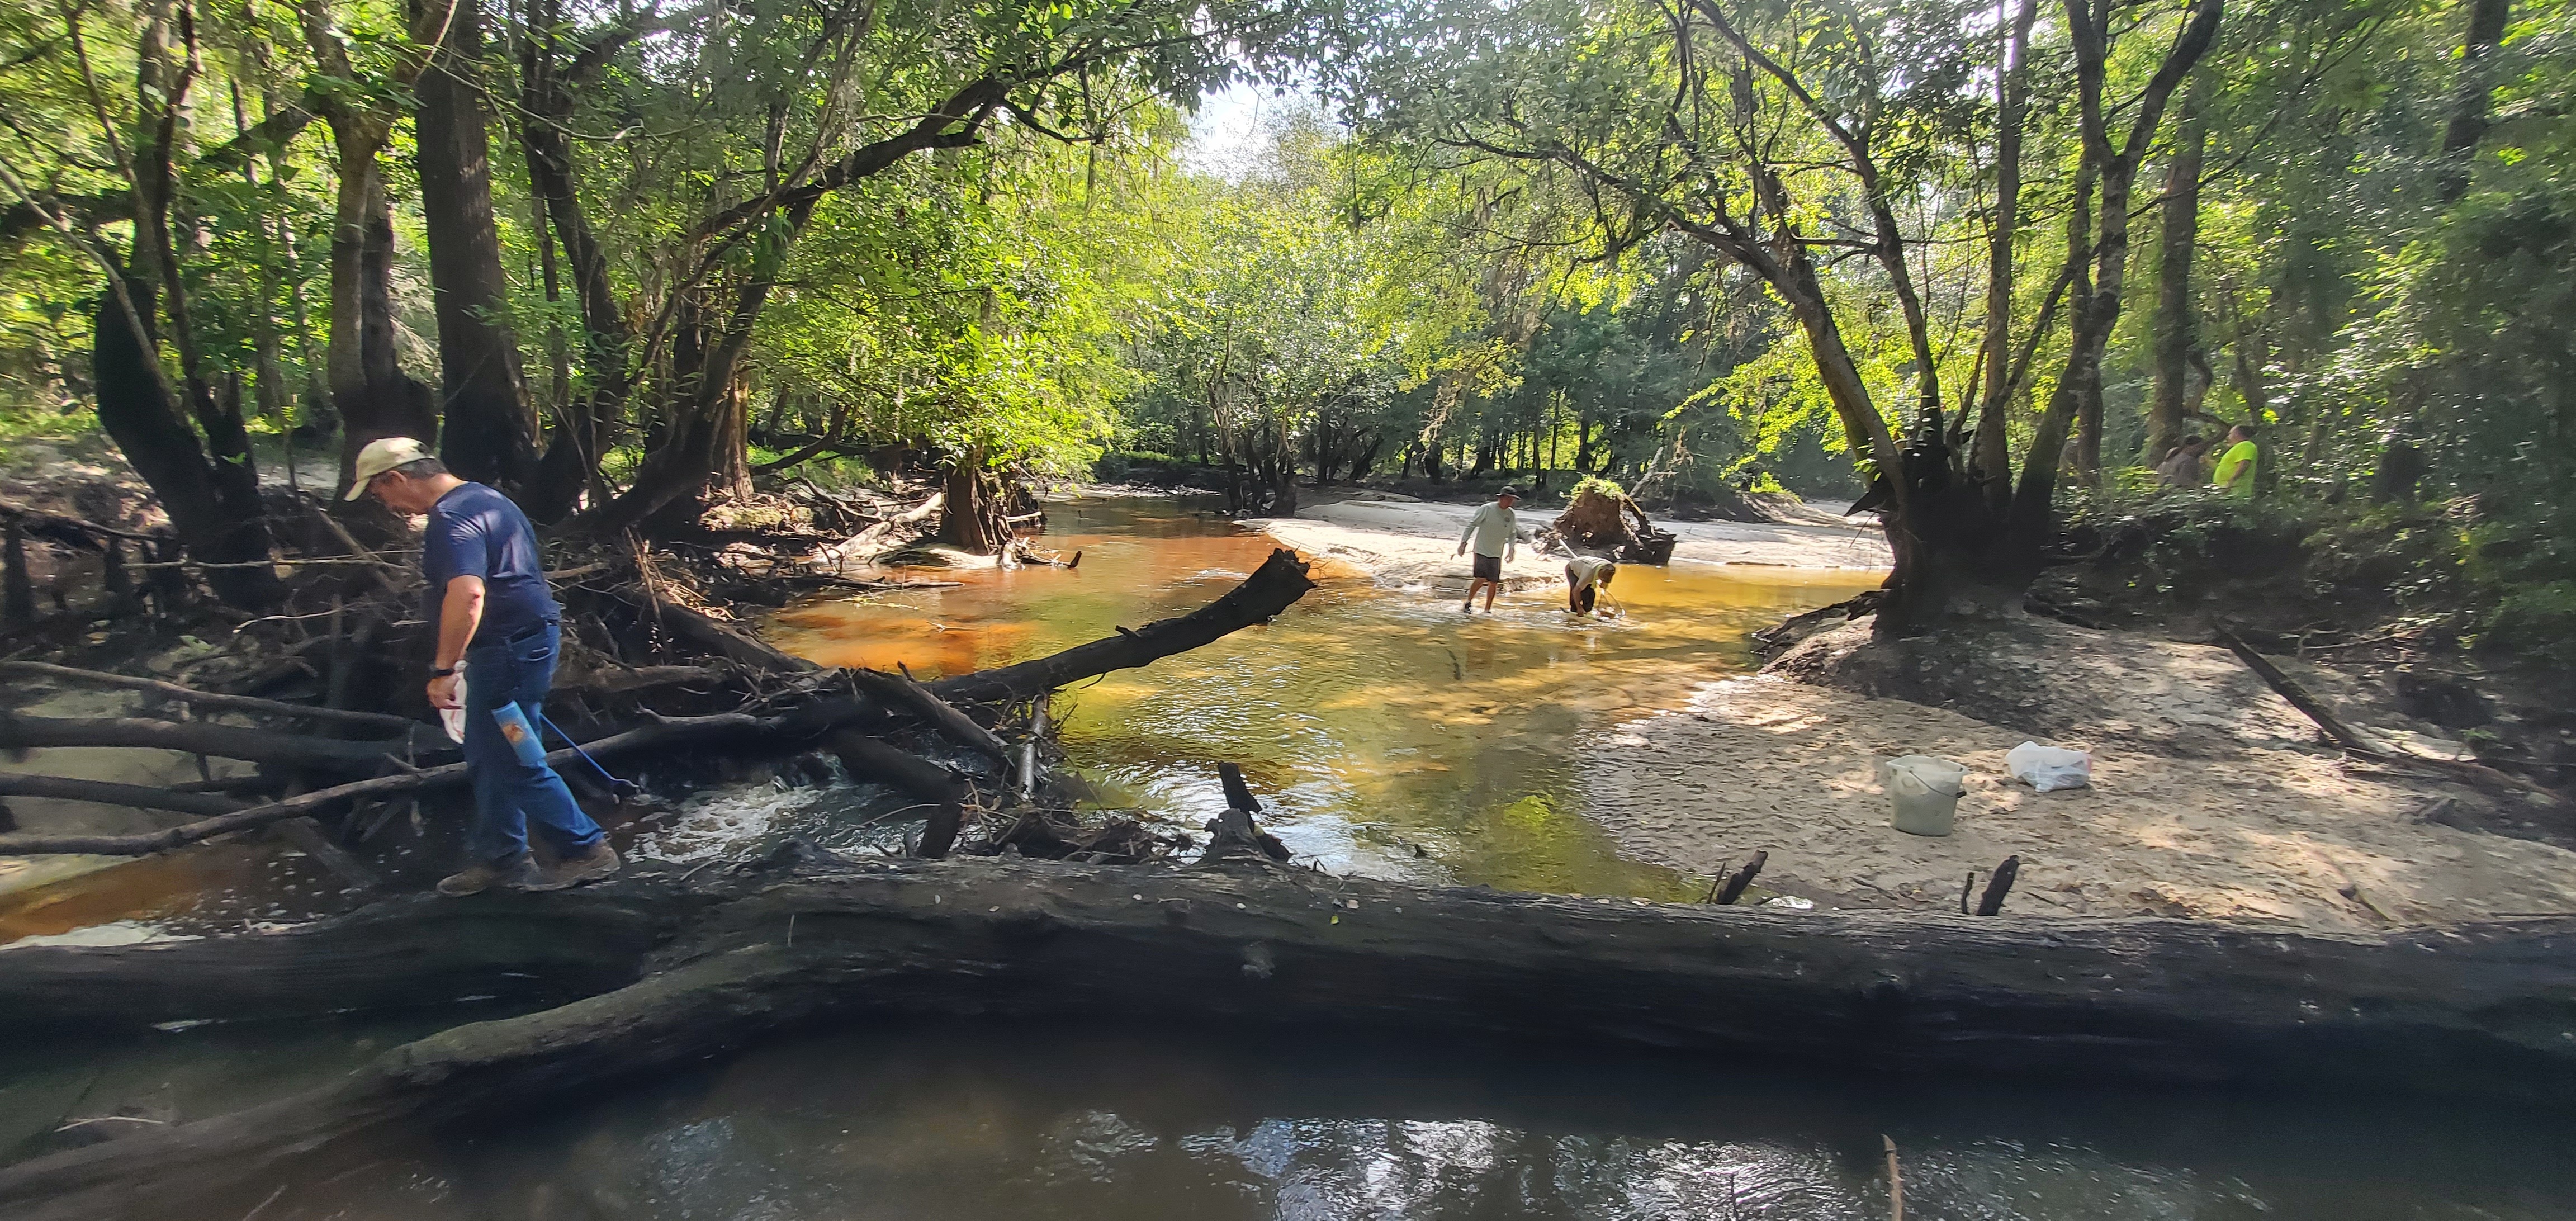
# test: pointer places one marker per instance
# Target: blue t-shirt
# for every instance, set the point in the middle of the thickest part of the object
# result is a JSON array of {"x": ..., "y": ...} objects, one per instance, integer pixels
[{"x": 476, "y": 532}]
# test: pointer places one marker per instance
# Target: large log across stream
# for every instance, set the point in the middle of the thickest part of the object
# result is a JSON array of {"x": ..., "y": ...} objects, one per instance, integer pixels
[{"x": 701, "y": 966}]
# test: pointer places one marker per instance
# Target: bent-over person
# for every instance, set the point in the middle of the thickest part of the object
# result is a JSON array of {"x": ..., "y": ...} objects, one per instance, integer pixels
[{"x": 1587, "y": 577}]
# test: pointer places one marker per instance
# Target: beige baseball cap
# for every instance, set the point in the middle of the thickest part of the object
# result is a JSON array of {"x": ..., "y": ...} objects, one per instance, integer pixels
[{"x": 381, "y": 456}]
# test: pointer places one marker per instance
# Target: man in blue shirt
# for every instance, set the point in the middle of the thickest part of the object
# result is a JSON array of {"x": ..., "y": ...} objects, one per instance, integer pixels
[{"x": 498, "y": 622}]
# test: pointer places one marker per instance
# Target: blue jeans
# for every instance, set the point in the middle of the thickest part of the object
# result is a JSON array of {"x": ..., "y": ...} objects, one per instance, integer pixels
[{"x": 508, "y": 794}]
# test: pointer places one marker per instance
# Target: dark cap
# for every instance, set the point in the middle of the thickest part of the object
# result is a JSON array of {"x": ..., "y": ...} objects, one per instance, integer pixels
[{"x": 1508, "y": 490}]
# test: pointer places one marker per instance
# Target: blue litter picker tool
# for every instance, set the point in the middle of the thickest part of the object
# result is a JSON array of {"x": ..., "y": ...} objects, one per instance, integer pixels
[{"x": 622, "y": 790}]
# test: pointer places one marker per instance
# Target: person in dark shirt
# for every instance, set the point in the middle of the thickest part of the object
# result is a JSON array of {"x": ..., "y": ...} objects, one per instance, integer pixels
[{"x": 498, "y": 624}]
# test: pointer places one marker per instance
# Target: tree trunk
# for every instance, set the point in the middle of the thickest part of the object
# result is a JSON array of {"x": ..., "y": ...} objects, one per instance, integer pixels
[
  {"x": 2474, "y": 94},
  {"x": 208, "y": 487},
  {"x": 491, "y": 435},
  {"x": 579, "y": 438},
  {"x": 1929, "y": 996},
  {"x": 374, "y": 398},
  {"x": 967, "y": 523},
  {"x": 1989, "y": 462},
  {"x": 2176, "y": 328},
  {"x": 2094, "y": 303}
]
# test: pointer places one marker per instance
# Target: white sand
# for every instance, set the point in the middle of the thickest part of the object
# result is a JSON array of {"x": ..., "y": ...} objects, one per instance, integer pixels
[
  {"x": 1405, "y": 541},
  {"x": 1761, "y": 763},
  {"x": 2209, "y": 799}
]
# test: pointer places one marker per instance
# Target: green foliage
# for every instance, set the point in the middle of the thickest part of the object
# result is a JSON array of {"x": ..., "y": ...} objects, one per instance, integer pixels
[
  {"x": 2536, "y": 620},
  {"x": 1469, "y": 249},
  {"x": 1599, "y": 486}
]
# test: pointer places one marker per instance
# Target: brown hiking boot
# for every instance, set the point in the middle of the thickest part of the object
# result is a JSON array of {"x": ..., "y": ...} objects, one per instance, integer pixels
[
  {"x": 516, "y": 873},
  {"x": 589, "y": 866}
]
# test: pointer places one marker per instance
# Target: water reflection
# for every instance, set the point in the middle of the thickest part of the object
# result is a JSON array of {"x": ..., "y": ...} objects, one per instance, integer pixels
[
  {"x": 1391, "y": 734},
  {"x": 983, "y": 1121}
]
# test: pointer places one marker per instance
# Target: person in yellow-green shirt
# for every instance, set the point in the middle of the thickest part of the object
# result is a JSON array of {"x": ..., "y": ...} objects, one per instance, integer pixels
[{"x": 2235, "y": 474}]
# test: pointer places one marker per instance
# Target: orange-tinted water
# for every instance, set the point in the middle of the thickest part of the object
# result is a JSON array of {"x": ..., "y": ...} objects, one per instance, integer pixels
[{"x": 1372, "y": 721}]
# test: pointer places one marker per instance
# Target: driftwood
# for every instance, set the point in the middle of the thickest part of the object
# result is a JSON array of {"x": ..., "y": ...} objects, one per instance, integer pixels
[
  {"x": 209, "y": 699},
  {"x": 131, "y": 796},
  {"x": 721, "y": 639},
  {"x": 221, "y": 741},
  {"x": 867, "y": 758},
  {"x": 901, "y": 691},
  {"x": 1276, "y": 585},
  {"x": 2475, "y": 1009},
  {"x": 2345, "y": 735},
  {"x": 1271, "y": 588},
  {"x": 2289, "y": 689},
  {"x": 1991, "y": 903},
  {"x": 874, "y": 538},
  {"x": 1734, "y": 888}
]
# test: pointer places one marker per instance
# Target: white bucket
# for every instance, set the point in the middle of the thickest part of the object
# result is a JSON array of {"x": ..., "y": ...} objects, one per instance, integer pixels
[{"x": 1925, "y": 791}]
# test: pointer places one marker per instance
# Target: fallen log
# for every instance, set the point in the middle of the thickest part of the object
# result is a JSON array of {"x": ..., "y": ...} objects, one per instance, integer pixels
[
  {"x": 2487, "y": 779},
  {"x": 420, "y": 951},
  {"x": 209, "y": 699},
  {"x": 1271, "y": 588},
  {"x": 102, "y": 792},
  {"x": 2476, "y": 1009},
  {"x": 721, "y": 639},
  {"x": 901, "y": 691},
  {"x": 837, "y": 554},
  {"x": 660, "y": 732},
  {"x": 866, "y": 758},
  {"x": 2289, "y": 689},
  {"x": 220, "y": 741}
]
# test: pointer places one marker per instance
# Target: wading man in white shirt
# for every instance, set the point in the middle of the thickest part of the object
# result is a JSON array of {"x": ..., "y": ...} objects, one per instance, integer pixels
[{"x": 1495, "y": 531}]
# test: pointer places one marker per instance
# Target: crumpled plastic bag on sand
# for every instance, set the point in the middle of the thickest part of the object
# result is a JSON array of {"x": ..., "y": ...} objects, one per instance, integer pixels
[{"x": 2049, "y": 768}]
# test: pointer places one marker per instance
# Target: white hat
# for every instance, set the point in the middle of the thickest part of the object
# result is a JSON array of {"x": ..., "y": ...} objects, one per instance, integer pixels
[{"x": 380, "y": 456}]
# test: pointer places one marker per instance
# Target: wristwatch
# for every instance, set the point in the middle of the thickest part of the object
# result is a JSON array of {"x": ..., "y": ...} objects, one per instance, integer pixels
[{"x": 442, "y": 672}]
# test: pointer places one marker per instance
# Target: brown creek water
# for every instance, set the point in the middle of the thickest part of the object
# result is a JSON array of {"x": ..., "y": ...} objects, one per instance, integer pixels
[
  {"x": 1387, "y": 732},
  {"x": 1374, "y": 721}
]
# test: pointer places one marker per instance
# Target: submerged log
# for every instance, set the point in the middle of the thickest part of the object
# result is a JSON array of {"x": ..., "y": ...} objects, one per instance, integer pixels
[{"x": 2477, "y": 1009}]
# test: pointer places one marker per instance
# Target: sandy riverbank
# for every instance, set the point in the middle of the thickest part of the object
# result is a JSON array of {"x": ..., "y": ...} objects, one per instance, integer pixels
[
  {"x": 1411, "y": 541},
  {"x": 2268, "y": 833},
  {"x": 2209, "y": 800}
]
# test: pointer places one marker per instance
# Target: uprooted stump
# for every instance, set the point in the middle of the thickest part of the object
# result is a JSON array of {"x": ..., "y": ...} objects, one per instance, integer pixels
[
  {"x": 1601, "y": 520},
  {"x": 2477, "y": 1009}
]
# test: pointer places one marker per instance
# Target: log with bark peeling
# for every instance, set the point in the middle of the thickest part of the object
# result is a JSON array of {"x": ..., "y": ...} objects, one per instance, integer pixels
[
  {"x": 1271, "y": 589},
  {"x": 2477, "y": 1009}
]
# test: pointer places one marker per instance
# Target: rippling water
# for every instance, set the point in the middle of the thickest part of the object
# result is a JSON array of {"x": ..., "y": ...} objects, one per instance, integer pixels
[{"x": 1003, "y": 1121}]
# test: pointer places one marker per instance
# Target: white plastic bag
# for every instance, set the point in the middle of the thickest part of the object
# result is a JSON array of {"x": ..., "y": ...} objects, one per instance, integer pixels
[
  {"x": 453, "y": 719},
  {"x": 2049, "y": 768}
]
